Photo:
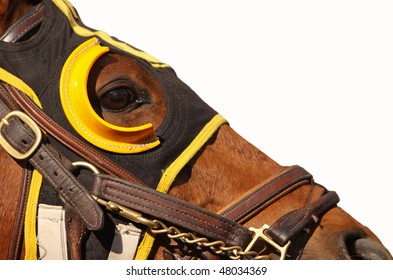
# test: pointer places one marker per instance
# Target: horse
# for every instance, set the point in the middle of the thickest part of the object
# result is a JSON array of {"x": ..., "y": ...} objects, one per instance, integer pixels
[{"x": 187, "y": 155}]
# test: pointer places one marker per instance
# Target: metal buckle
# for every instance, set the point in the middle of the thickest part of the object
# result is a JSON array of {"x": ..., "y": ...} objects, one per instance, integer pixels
[
  {"x": 126, "y": 212},
  {"x": 86, "y": 165},
  {"x": 31, "y": 124},
  {"x": 260, "y": 233}
]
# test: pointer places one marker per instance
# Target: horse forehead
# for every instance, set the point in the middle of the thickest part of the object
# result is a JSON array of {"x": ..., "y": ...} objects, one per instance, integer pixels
[{"x": 113, "y": 66}]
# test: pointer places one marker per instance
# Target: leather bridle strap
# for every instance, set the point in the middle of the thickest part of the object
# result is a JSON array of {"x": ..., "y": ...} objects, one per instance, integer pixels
[
  {"x": 266, "y": 193},
  {"x": 22, "y": 137},
  {"x": 66, "y": 138},
  {"x": 23, "y": 140},
  {"x": 129, "y": 194},
  {"x": 24, "y": 26},
  {"x": 293, "y": 224},
  {"x": 224, "y": 227},
  {"x": 164, "y": 207}
]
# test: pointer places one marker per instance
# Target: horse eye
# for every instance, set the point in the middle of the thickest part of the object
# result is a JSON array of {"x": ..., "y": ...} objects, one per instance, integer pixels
[{"x": 117, "y": 99}]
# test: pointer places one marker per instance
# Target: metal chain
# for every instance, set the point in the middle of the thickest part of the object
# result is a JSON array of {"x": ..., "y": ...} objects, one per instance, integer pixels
[
  {"x": 217, "y": 247},
  {"x": 158, "y": 227}
]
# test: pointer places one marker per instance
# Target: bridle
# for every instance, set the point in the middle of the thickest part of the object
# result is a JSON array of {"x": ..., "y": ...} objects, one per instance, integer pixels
[
  {"x": 222, "y": 233},
  {"x": 25, "y": 129}
]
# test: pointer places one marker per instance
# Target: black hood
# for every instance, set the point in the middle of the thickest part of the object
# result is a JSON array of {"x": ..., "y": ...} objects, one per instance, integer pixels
[{"x": 39, "y": 61}]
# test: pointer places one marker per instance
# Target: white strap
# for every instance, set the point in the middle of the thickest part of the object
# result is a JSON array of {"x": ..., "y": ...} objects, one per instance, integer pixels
[
  {"x": 51, "y": 233},
  {"x": 125, "y": 242}
]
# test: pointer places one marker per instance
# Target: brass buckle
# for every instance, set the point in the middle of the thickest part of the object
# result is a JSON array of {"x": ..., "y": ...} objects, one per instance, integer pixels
[
  {"x": 31, "y": 124},
  {"x": 86, "y": 165},
  {"x": 125, "y": 212},
  {"x": 260, "y": 233}
]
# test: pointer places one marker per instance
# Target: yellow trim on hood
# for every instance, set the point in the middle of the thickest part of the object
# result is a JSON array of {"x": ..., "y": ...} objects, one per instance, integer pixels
[
  {"x": 79, "y": 112},
  {"x": 19, "y": 84},
  {"x": 71, "y": 14}
]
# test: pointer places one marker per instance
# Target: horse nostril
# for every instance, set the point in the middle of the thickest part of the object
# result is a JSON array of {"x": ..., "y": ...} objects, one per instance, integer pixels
[{"x": 364, "y": 248}]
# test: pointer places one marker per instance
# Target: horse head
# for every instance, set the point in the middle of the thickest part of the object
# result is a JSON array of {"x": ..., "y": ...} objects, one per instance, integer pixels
[{"x": 128, "y": 114}]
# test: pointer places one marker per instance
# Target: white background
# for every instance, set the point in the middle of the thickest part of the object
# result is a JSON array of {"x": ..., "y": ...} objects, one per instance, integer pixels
[
  {"x": 307, "y": 82},
  {"x": 97, "y": 270}
]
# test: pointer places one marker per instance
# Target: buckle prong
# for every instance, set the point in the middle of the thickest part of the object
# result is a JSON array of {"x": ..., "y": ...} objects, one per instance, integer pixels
[{"x": 31, "y": 124}]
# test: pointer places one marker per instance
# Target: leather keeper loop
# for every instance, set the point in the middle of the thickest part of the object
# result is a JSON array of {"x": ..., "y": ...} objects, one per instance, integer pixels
[{"x": 292, "y": 223}]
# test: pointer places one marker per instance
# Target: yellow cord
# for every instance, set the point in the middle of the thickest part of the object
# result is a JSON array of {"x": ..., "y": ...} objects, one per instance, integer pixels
[
  {"x": 31, "y": 217},
  {"x": 19, "y": 84}
]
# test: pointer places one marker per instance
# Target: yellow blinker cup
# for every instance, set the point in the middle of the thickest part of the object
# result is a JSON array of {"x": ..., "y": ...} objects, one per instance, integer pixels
[{"x": 81, "y": 115}]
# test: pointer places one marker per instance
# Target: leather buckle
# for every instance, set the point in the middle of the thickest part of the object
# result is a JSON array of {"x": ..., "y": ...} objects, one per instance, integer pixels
[
  {"x": 31, "y": 124},
  {"x": 260, "y": 233}
]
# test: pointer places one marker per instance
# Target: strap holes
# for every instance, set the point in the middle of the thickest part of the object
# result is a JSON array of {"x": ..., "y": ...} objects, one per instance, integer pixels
[
  {"x": 55, "y": 173},
  {"x": 24, "y": 142},
  {"x": 41, "y": 157}
]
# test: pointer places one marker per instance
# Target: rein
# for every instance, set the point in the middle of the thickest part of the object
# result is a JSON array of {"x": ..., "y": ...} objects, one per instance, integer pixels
[{"x": 24, "y": 129}]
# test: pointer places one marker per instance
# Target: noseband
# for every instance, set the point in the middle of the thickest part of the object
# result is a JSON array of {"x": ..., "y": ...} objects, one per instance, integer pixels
[{"x": 107, "y": 186}]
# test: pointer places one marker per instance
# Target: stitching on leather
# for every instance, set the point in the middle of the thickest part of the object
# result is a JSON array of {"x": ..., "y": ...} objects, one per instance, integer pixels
[
  {"x": 81, "y": 230},
  {"x": 80, "y": 125},
  {"x": 17, "y": 144},
  {"x": 70, "y": 201},
  {"x": 168, "y": 200},
  {"x": 6, "y": 95},
  {"x": 39, "y": 114},
  {"x": 246, "y": 199},
  {"x": 315, "y": 210},
  {"x": 21, "y": 23},
  {"x": 174, "y": 218},
  {"x": 11, "y": 140},
  {"x": 323, "y": 207},
  {"x": 22, "y": 33},
  {"x": 84, "y": 146},
  {"x": 306, "y": 216},
  {"x": 171, "y": 208},
  {"x": 287, "y": 217},
  {"x": 66, "y": 196}
]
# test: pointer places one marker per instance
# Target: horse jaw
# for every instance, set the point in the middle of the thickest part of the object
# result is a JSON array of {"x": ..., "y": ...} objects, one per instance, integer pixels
[
  {"x": 10, "y": 173},
  {"x": 223, "y": 171},
  {"x": 228, "y": 166}
]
